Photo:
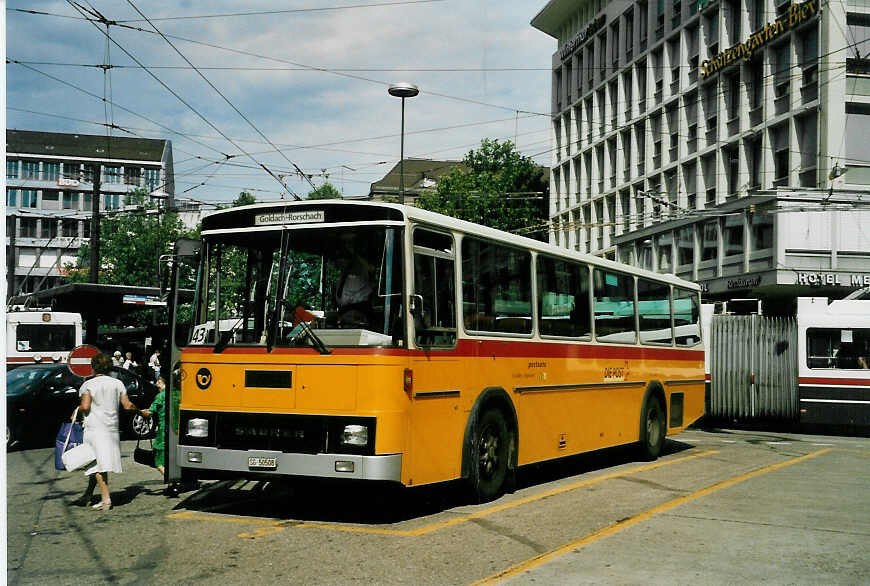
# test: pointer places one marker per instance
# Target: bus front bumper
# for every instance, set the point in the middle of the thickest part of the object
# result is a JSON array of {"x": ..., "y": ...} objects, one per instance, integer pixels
[{"x": 201, "y": 458}]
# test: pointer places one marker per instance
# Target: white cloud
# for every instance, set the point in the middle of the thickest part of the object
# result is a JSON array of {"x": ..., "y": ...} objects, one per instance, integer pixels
[{"x": 295, "y": 107}]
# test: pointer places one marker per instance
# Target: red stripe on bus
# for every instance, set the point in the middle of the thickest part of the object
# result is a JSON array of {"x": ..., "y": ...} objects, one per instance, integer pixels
[
  {"x": 30, "y": 359},
  {"x": 503, "y": 349},
  {"x": 843, "y": 382}
]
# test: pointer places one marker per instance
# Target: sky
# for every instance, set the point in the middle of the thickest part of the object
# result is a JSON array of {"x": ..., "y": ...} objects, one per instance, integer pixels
[{"x": 308, "y": 76}]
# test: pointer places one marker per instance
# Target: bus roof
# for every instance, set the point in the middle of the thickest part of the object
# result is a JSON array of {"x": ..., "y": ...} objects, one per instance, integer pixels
[{"x": 223, "y": 219}]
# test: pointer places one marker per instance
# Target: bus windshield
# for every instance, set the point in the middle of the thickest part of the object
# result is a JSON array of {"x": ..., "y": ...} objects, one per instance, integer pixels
[{"x": 344, "y": 283}]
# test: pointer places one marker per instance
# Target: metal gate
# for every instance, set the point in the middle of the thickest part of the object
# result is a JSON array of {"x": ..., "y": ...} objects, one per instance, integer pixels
[{"x": 753, "y": 367}]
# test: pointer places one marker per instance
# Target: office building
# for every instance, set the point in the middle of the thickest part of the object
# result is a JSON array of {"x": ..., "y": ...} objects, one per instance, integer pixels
[
  {"x": 49, "y": 191},
  {"x": 725, "y": 141}
]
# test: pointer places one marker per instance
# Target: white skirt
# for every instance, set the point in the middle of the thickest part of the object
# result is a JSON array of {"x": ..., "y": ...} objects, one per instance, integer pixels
[{"x": 107, "y": 447}]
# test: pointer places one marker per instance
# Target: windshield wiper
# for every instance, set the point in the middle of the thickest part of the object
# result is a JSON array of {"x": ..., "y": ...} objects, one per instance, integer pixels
[
  {"x": 302, "y": 329},
  {"x": 224, "y": 338}
]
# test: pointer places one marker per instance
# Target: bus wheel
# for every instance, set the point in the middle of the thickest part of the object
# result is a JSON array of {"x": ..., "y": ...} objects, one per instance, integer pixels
[
  {"x": 491, "y": 455},
  {"x": 652, "y": 432}
]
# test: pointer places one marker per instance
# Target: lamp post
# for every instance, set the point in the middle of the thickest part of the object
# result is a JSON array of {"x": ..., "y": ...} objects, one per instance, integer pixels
[{"x": 402, "y": 90}]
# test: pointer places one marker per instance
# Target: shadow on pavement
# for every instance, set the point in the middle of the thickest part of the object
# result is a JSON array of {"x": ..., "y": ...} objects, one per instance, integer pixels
[{"x": 374, "y": 503}]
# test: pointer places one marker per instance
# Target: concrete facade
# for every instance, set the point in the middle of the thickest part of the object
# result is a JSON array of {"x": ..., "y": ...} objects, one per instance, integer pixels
[
  {"x": 49, "y": 187},
  {"x": 708, "y": 139}
]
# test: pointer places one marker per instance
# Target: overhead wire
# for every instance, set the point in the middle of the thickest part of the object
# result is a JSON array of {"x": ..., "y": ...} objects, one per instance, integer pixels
[{"x": 99, "y": 18}]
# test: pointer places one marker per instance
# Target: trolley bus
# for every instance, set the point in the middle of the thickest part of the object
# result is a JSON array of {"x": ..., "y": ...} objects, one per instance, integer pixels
[
  {"x": 834, "y": 361},
  {"x": 40, "y": 335},
  {"x": 381, "y": 342}
]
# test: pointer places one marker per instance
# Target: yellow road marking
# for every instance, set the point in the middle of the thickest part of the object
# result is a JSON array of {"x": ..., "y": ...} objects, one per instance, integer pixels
[
  {"x": 269, "y": 526},
  {"x": 617, "y": 527}
]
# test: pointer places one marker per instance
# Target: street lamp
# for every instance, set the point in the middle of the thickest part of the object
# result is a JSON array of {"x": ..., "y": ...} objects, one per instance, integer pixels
[{"x": 402, "y": 90}]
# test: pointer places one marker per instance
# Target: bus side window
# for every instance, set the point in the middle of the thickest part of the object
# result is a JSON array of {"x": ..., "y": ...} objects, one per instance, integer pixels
[
  {"x": 435, "y": 317},
  {"x": 563, "y": 298},
  {"x": 614, "y": 307},
  {"x": 654, "y": 312},
  {"x": 496, "y": 288},
  {"x": 687, "y": 311}
]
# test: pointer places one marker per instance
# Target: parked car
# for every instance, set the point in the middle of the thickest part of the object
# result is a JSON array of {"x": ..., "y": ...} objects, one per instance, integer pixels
[{"x": 41, "y": 396}]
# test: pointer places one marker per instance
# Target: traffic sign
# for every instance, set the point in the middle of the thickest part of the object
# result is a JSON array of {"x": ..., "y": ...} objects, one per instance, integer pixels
[{"x": 80, "y": 359}]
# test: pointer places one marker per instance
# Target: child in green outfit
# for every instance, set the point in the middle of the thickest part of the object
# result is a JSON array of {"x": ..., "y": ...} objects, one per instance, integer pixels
[{"x": 157, "y": 409}]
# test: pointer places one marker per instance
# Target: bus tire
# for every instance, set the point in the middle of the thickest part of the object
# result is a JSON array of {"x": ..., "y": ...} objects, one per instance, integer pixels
[
  {"x": 490, "y": 456},
  {"x": 652, "y": 430}
]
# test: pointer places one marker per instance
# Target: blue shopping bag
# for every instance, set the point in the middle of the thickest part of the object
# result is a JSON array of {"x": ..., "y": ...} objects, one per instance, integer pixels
[{"x": 75, "y": 433}]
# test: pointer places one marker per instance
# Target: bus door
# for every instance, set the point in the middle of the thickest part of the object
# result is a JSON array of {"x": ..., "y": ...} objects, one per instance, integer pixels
[{"x": 437, "y": 420}]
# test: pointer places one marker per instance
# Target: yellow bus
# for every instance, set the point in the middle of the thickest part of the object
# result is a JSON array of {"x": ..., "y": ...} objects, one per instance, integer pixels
[{"x": 374, "y": 341}]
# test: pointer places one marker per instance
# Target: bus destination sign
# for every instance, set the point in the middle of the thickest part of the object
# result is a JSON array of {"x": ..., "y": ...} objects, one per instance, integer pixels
[{"x": 272, "y": 218}]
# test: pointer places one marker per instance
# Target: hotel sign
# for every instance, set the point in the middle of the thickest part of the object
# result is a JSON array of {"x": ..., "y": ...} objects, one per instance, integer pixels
[
  {"x": 833, "y": 279},
  {"x": 797, "y": 15},
  {"x": 581, "y": 37}
]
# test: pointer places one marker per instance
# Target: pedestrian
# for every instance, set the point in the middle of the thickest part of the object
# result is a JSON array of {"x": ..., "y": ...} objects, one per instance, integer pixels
[
  {"x": 116, "y": 358},
  {"x": 154, "y": 363},
  {"x": 129, "y": 363},
  {"x": 100, "y": 398},
  {"x": 157, "y": 411}
]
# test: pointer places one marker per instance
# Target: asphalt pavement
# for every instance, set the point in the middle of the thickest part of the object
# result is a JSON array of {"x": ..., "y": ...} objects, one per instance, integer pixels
[{"x": 719, "y": 507}]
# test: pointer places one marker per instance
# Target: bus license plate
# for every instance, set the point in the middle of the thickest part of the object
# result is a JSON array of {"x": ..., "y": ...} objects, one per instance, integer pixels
[{"x": 257, "y": 462}]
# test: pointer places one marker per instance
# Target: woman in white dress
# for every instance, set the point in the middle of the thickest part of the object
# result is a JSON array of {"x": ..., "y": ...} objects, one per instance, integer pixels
[{"x": 100, "y": 399}]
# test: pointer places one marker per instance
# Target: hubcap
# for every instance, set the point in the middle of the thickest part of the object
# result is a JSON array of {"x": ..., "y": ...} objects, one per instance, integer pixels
[{"x": 488, "y": 453}]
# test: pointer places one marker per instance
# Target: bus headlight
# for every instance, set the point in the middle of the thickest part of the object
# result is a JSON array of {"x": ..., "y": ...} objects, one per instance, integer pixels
[
  {"x": 355, "y": 435},
  {"x": 197, "y": 428}
]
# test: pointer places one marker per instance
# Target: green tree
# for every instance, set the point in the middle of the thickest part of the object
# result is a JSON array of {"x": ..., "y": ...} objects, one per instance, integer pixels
[
  {"x": 498, "y": 187},
  {"x": 325, "y": 191},
  {"x": 245, "y": 198}
]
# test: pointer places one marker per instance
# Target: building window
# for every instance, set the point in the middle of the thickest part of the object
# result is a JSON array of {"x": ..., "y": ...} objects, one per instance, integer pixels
[
  {"x": 676, "y": 15},
  {"x": 602, "y": 54},
  {"x": 629, "y": 36},
  {"x": 70, "y": 201},
  {"x": 762, "y": 231},
  {"x": 642, "y": 24},
  {"x": 732, "y": 168},
  {"x": 12, "y": 197},
  {"x": 28, "y": 198},
  {"x": 690, "y": 182},
  {"x": 708, "y": 167},
  {"x": 50, "y": 200},
  {"x": 665, "y": 249},
  {"x": 132, "y": 175},
  {"x": 11, "y": 169},
  {"x": 626, "y": 155},
  {"x": 733, "y": 96},
  {"x": 755, "y": 83},
  {"x": 733, "y": 235},
  {"x": 112, "y": 174},
  {"x": 710, "y": 244},
  {"x": 782, "y": 68},
  {"x": 69, "y": 228},
  {"x": 29, "y": 170},
  {"x": 49, "y": 228},
  {"x": 753, "y": 160},
  {"x": 89, "y": 172},
  {"x": 111, "y": 201},
  {"x": 625, "y": 202},
  {"x": 27, "y": 228},
  {"x": 757, "y": 17},
  {"x": 660, "y": 19},
  {"x": 51, "y": 171},
  {"x": 686, "y": 246},
  {"x": 614, "y": 44},
  {"x": 779, "y": 142},
  {"x": 86, "y": 229},
  {"x": 711, "y": 32}
]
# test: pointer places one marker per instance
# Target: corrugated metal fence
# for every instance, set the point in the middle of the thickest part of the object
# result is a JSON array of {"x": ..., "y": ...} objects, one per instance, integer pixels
[{"x": 753, "y": 367}]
